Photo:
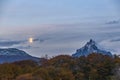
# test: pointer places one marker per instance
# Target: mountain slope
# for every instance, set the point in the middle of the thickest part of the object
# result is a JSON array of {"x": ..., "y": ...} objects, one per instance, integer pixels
[
  {"x": 12, "y": 54},
  {"x": 90, "y": 47}
]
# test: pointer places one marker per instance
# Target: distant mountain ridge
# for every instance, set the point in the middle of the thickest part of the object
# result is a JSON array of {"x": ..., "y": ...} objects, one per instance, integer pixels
[
  {"x": 8, "y": 55},
  {"x": 13, "y": 52},
  {"x": 90, "y": 47}
]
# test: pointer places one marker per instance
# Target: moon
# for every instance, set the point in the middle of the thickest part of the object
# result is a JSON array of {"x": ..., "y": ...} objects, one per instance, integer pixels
[{"x": 30, "y": 40}]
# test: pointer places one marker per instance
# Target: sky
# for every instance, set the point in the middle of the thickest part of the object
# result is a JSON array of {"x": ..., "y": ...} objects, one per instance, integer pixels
[{"x": 59, "y": 26}]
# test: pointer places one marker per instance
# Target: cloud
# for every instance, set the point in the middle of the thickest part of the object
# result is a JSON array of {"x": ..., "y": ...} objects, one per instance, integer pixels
[
  {"x": 111, "y": 45},
  {"x": 66, "y": 38},
  {"x": 113, "y": 22},
  {"x": 40, "y": 40},
  {"x": 115, "y": 40},
  {"x": 8, "y": 43},
  {"x": 26, "y": 47}
]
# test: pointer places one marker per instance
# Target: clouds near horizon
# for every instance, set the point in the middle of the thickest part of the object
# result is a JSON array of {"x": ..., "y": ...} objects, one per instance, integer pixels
[{"x": 59, "y": 27}]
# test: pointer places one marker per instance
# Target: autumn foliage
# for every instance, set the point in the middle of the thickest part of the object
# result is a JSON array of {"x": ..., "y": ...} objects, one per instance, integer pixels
[{"x": 63, "y": 67}]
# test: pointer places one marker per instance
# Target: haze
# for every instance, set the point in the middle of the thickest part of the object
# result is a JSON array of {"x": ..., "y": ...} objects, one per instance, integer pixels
[{"x": 59, "y": 26}]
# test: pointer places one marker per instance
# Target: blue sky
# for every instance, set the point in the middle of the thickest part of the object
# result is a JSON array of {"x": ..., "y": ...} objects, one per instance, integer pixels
[{"x": 59, "y": 26}]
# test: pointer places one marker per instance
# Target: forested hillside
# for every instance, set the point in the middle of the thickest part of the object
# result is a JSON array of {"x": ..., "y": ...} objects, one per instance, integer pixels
[{"x": 64, "y": 67}]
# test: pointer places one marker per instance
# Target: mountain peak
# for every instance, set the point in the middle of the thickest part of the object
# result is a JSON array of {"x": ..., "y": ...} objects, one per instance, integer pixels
[
  {"x": 91, "y": 41},
  {"x": 12, "y": 51},
  {"x": 12, "y": 54},
  {"x": 91, "y": 44},
  {"x": 90, "y": 47}
]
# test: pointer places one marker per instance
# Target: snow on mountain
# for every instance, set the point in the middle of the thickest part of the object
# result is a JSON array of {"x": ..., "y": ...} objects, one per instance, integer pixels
[
  {"x": 90, "y": 47},
  {"x": 12, "y": 51},
  {"x": 12, "y": 54}
]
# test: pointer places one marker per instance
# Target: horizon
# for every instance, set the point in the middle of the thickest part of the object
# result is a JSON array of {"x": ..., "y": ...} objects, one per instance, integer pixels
[{"x": 59, "y": 27}]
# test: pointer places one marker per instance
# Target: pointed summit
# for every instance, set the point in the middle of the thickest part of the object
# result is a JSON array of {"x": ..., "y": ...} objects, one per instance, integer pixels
[
  {"x": 90, "y": 47},
  {"x": 91, "y": 41}
]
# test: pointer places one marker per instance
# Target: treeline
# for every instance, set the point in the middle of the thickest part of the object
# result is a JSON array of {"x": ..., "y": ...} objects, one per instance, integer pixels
[{"x": 64, "y": 67}]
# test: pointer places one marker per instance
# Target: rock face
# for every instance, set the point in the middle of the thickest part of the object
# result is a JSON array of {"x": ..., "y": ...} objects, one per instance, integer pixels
[
  {"x": 12, "y": 54},
  {"x": 90, "y": 47}
]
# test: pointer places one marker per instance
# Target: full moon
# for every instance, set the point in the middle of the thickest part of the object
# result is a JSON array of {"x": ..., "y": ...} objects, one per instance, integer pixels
[{"x": 30, "y": 40}]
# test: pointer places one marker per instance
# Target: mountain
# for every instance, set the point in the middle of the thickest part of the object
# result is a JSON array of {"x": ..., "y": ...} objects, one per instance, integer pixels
[
  {"x": 12, "y": 54},
  {"x": 90, "y": 47}
]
